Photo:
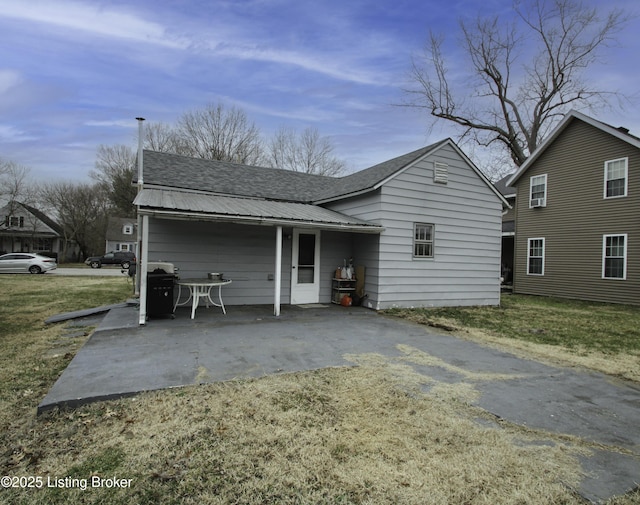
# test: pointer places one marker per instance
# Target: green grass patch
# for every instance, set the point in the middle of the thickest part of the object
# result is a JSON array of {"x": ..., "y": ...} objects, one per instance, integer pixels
[{"x": 572, "y": 324}]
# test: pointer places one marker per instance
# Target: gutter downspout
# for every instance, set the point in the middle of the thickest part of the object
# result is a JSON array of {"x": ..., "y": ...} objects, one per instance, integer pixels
[{"x": 278, "y": 275}]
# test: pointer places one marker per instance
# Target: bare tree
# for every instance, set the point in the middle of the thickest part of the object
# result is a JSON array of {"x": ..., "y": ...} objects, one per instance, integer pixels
[
  {"x": 15, "y": 185},
  {"x": 82, "y": 211},
  {"x": 115, "y": 170},
  {"x": 217, "y": 133},
  {"x": 164, "y": 138},
  {"x": 306, "y": 152},
  {"x": 523, "y": 74}
]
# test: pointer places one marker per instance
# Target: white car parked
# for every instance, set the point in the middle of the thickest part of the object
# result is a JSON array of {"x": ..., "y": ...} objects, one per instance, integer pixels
[{"x": 19, "y": 263}]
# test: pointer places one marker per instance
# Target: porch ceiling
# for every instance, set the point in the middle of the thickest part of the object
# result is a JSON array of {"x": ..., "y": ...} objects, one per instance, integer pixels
[{"x": 177, "y": 204}]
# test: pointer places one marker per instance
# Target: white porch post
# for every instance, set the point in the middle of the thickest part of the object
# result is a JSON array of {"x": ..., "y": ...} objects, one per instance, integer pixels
[
  {"x": 278, "y": 276},
  {"x": 142, "y": 270},
  {"x": 140, "y": 185}
]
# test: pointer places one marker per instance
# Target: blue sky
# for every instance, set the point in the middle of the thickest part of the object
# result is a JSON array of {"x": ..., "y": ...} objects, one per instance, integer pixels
[{"x": 75, "y": 74}]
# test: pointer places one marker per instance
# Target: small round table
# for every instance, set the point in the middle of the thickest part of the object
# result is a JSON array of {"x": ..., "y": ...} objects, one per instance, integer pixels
[{"x": 201, "y": 288}]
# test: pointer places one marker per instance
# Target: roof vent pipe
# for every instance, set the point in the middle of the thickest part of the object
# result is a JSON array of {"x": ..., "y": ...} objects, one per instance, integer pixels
[{"x": 140, "y": 143}]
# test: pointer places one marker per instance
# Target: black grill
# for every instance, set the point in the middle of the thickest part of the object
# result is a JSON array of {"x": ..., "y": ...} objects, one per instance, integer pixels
[{"x": 160, "y": 293}]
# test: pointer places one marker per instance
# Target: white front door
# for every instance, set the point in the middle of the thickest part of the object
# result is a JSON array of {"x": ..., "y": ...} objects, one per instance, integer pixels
[{"x": 305, "y": 267}]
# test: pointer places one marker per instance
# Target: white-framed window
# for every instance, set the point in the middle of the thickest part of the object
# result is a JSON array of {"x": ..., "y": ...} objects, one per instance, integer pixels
[
  {"x": 538, "y": 191},
  {"x": 127, "y": 229},
  {"x": 614, "y": 256},
  {"x": 615, "y": 178},
  {"x": 123, "y": 247},
  {"x": 14, "y": 221},
  {"x": 423, "y": 240},
  {"x": 535, "y": 256}
]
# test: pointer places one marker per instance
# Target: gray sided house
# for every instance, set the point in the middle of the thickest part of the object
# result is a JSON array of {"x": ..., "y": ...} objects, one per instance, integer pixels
[
  {"x": 577, "y": 207},
  {"x": 424, "y": 227},
  {"x": 122, "y": 234}
]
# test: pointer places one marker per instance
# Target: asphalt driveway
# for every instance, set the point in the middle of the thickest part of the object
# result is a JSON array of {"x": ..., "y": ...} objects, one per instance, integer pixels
[{"x": 122, "y": 358}]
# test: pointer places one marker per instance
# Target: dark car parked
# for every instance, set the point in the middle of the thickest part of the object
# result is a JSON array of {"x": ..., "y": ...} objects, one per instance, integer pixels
[{"x": 122, "y": 258}]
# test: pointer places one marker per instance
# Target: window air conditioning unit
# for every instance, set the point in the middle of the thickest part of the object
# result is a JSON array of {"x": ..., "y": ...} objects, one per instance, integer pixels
[{"x": 538, "y": 202}]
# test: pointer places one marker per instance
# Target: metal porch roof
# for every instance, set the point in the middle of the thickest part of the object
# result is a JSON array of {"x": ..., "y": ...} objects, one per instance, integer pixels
[{"x": 181, "y": 204}]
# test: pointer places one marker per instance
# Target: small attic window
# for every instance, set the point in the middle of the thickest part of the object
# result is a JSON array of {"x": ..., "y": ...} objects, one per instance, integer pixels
[
  {"x": 440, "y": 173},
  {"x": 127, "y": 229}
]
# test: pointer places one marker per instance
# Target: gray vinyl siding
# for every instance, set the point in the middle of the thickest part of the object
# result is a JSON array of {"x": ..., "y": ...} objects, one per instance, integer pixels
[
  {"x": 365, "y": 247},
  {"x": 577, "y": 216},
  {"x": 245, "y": 254},
  {"x": 467, "y": 217},
  {"x": 335, "y": 247}
]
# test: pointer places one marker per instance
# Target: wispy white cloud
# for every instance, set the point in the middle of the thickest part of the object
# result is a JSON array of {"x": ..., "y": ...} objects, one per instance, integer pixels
[
  {"x": 213, "y": 39},
  {"x": 336, "y": 66},
  {"x": 306, "y": 114},
  {"x": 12, "y": 134},
  {"x": 118, "y": 123},
  {"x": 93, "y": 19}
]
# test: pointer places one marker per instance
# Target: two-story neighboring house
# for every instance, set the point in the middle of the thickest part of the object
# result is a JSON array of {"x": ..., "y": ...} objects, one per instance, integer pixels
[
  {"x": 121, "y": 234},
  {"x": 24, "y": 228},
  {"x": 577, "y": 214}
]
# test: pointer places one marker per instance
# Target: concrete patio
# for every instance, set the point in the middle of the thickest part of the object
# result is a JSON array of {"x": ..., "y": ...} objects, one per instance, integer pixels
[{"x": 122, "y": 358}]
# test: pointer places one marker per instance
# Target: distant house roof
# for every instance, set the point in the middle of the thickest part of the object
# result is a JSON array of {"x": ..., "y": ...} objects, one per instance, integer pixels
[
  {"x": 44, "y": 218},
  {"x": 115, "y": 227},
  {"x": 617, "y": 132},
  {"x": 506, "y": 191}
]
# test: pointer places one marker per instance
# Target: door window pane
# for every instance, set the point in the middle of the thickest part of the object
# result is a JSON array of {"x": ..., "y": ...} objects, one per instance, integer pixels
[{"x": 306, "y": 258}]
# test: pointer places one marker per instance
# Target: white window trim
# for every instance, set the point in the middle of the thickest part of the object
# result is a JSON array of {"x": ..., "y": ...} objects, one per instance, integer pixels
[
  {"x": 543, "y": 255},
  {"x": 546, "y": 189},
  {"x": 432, "y": 242},
  {"x": 604, "y": 256},
  {"x": 626, "y": 178}
]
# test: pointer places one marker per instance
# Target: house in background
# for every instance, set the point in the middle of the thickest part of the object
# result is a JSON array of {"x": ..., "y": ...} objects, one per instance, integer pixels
[
  {"x": 24, "y": 228},
  {"x": 426, "y": 227},
  {"x": 577, "y": 208},
  {"x": 122, "y": 234},
  {"x": 508, "y": 230}
]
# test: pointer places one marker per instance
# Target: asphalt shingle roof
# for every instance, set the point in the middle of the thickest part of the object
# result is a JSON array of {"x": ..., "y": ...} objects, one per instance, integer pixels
[
  {"x": 501, "y": 186},
  {"x": 171, "y": 170},
  {"x": 231, "y": 179}
]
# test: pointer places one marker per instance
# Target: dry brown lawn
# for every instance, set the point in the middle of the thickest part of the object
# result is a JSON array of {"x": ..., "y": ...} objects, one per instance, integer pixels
[{"x": 357, "y": 435}]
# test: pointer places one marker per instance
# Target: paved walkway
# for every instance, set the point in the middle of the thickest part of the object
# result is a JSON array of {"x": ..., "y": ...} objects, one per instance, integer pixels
[{"x": 122, "y": 358}]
